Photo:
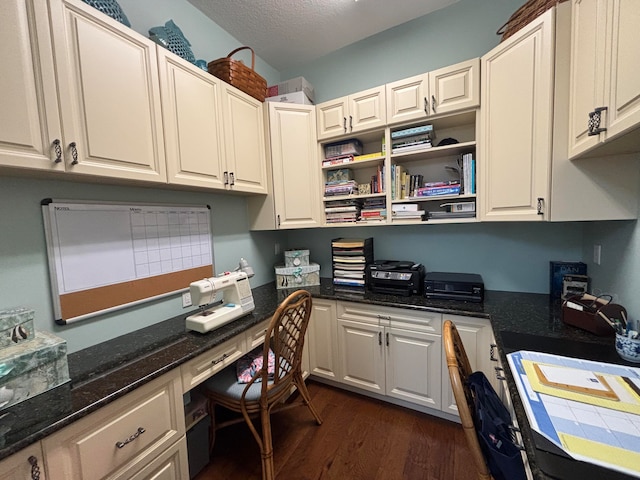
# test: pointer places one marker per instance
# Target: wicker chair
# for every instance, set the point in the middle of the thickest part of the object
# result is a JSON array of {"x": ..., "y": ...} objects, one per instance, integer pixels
[
  {"x": 459, "y": 371},
  {"x": 285, "y": 337}
]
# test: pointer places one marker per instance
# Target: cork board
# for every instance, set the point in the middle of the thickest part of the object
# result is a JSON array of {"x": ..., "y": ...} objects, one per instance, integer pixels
[{"x": 108, "y": 256}]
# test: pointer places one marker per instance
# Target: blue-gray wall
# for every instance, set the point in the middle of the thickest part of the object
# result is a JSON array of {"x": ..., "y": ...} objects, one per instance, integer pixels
[{"x": 510, "y": 256}]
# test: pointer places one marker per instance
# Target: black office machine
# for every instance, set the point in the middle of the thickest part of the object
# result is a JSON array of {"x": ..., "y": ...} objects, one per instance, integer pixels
[
  {"x": 454, "y": 286},
  {"x": 395, "y": 277}
]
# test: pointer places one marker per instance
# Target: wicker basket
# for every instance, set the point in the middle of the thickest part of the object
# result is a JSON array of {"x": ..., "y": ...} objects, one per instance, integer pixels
[
  {"x": 526, "y": 13},
  {"x": 239, "y": 75}
]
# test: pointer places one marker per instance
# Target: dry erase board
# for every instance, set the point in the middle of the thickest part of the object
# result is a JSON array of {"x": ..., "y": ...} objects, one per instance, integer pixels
[{"x": 103, "y": 257}]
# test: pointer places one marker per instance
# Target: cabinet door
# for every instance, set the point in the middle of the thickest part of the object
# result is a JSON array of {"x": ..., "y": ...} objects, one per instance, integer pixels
[
  {"x": 367, "y": 109},
  {"x": 413, "y": 366},
  {"x": 296, "y": 169},
  {"x": 323, "y": 340},
  {"x": 623, "y": 84},
  {"x": 109, "y": 95},
  {"x": 588, "y": 45},
  {"x": 24, "y": 465},
  {"x": 477, "y": 337},
  {"x": 455, "y": 87},
  {"x": 244, "y": 140},
  {"x": 332, "y": 118},
  {"x": 192, "y": 122},
  {"x": 408, "y": 99},
  {"x": 362, "y": 355},
  {"x": 516, "y": 124},
  {"x": 30, "y": 123}
]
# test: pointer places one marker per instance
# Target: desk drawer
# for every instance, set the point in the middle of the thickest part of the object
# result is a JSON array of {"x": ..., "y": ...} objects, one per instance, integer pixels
[
  {"x": 121, "y": 436},
  {"x": 255, "y": 335},
  {"x": 209, "y": 363}
]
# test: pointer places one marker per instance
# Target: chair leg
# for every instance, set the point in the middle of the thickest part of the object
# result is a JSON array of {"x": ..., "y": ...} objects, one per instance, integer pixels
[
  {"x": 268, "y": 470},
  {"x": 211, "y": 407},
  {"x": 302, "y": 388}
]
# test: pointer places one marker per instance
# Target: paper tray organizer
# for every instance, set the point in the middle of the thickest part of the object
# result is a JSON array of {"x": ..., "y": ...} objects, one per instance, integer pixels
[{"x": 588, "y": 311}]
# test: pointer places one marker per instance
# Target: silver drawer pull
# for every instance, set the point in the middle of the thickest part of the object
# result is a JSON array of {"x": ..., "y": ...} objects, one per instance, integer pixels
[
  {"x": 139, "y": 432},
  {"x": 221, "y": 359}
]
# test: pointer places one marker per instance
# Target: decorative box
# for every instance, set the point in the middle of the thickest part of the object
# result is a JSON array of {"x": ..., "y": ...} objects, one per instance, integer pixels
[
  {"x": 16, "y": 326},
  {"x": 31, "y": 368},
  {"x": 297, "y": 277},
  {"x": 339, "y": 175},
  {"x": 353, "y": 146},
  {"x": 296, "y": 258}
]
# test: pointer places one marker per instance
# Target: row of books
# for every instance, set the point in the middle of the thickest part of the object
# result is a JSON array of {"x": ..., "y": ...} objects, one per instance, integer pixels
[
  {"x": 403, "y": 184},
  {"x": 346, "y": 159},
  {"x": 468, "y": 175},
  {"x": 342, "y": 211},
  {"x": 434, "y": 189},
  {"x": 350, "y": 257}
]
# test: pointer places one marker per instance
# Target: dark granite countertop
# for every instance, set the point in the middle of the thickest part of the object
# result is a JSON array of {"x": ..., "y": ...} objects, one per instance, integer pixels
[{"x": 109, "y": 370}]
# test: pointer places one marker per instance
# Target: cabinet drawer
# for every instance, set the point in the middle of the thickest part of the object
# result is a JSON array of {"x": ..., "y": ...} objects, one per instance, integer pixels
[
  {"x": 209, "y": 363},
  {"x": 121, "y": 436},
  {"x": 18, "y": 465},
  {"x": 255, "y": 335},
  {"x": 428, "y": 322},
  {"x": 172, "y": 464}
]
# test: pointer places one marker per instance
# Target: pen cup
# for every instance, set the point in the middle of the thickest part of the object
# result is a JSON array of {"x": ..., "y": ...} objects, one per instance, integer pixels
[{"x": 628, "y": 348}]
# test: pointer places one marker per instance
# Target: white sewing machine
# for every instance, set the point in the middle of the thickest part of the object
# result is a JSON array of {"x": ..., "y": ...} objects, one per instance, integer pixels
[{"x": 236, "y": 301}]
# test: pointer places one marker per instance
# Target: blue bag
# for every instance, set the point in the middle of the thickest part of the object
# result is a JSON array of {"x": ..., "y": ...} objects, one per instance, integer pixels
[{"x": 493, "y": 423}]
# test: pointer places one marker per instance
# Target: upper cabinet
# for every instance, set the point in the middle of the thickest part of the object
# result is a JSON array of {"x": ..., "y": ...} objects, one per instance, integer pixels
[
  {"x": 516, "y": 121},
  {"x": 244, "y": 141},
  {"x": 294, "y": 200},
  {"x": 605, "y": 80},
  {"x": 109, "y": 95},
  {"x": 192, "y": 116},
  {"x": 449, "y": 89},
  {"x": 352, "y": 114},
  {"x": 30, "y": 130}
]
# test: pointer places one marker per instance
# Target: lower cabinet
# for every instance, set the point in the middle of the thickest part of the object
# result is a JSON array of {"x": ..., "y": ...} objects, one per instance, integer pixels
[
  {"x": 390, "y": 351},
  {"x": 27, "y": 464},
  {"x": 141, "y": 435},
  {"x": 323, "y": 340}
]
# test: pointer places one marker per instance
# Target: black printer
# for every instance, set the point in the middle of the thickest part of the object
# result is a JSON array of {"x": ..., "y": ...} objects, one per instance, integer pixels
[{"x": 395, "y": 277}]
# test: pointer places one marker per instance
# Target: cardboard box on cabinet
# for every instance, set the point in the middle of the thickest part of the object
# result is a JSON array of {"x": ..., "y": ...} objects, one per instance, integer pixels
[
  {"x": 297, "y": 84},
  {"x": 295, "y": 97}
]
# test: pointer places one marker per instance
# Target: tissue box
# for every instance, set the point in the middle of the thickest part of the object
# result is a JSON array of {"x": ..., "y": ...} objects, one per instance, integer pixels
[
  {"x": 16, "y": 325},
  {"x": 297, "y": 84},
  {"x": 296, "y": 258},
  {"x": 296, "y": 277},
  {"x": 31, "y": 368}
]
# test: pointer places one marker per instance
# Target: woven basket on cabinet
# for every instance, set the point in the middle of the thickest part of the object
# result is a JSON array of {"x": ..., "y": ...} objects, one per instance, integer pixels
[
  {"x": 531, "y": 10},
  {"x": 239, "y": 75}
]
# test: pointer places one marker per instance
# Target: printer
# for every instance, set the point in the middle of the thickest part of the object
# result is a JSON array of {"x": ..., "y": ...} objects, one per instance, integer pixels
[
  {"x": 454, "y": 286},
  {"x": 395, "y": 277}
]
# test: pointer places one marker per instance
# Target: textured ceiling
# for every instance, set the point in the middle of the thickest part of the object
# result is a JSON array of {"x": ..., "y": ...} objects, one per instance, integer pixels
[{"x": 285, "y": 33}]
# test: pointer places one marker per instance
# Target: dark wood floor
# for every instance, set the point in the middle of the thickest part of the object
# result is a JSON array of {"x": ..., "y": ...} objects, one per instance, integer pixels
[{"x": 360, "y": 439}]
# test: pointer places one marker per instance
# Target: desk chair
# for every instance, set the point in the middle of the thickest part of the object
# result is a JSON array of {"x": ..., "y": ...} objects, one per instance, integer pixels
[
  {"x": 459, "y": 371},
  {"x": 285, "y": 337}
]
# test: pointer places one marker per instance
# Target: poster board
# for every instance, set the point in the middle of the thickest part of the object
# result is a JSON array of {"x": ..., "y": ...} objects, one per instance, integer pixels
[{"x": 108, "y": 256}]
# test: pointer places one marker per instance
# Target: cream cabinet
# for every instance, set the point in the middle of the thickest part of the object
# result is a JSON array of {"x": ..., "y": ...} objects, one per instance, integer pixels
[
  {"x": 30, "y": 129},
  {"x": 109, "y": 95},
  {"x": 477, "y": 337},
  {"x": 121, "y": 439},
  {"x": 27, "y": 464},
  {"x": 351, "y": 114},
  {"x": 449, "y": 89},
  {"x": 605, "y": 80},
  {"x": 172, "y": 464},
  {"x": 294, "y": 199},
  {"x": 244, "y": 142},
  {"x": 193, "y": 135},
  {"x": 392, "y": 352},
  {"x": 323, "y": 340}
]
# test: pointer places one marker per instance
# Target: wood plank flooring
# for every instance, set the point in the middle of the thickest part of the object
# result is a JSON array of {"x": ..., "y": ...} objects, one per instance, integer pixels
[{"x": 360, "y": 439}]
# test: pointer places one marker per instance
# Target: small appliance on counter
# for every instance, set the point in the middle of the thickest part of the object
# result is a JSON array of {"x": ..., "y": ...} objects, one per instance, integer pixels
[
  {"x": 395, "y": 277},
  {"x": 454, "y": 286}
]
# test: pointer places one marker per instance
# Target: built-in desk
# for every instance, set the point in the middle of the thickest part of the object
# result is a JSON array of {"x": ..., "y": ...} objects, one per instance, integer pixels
[{"x": 108, "y": 371}]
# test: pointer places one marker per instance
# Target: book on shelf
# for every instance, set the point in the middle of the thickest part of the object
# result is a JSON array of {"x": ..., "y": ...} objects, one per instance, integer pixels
[
  {"x": 367, "y": 156},
  {"x": 356, "y": 259},
  {"x": 411, "y": 148},
  {"x": 350, "y": 208},
  {"x": 408, "y": 213},
  {"x": 412, "y": 131},
  {"x": 437, "y": 191},
  {"x": 327, "y": 162},
  {"x": 404, "y": 207}
]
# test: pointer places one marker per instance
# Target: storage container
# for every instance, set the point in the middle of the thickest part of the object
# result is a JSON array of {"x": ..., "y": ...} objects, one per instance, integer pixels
[
  {"x": 293, "y": 97},
  {"x": 296, "y": 258},
  {"x": 353, "y": 146},
  {"x": 16, "y": 326},
  {"x": 293, "y": 85},
  {"x": 30, "y": 368},
  {"x": 296, "y": 277}
]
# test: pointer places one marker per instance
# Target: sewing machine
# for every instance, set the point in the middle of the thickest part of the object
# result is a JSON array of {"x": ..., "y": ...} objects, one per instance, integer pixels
[{"x": 236, "y": 301}]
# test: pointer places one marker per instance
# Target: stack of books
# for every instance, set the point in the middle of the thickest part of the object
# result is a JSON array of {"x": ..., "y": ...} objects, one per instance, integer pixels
[
  {"x": 350, "y": 257},
  {"x": 374, "y": 210},
  {"x": 468, "y": 174},
  {"x": 410, "y": 139},
  {"x": 407, "y": 212},
  {"x": 340, "y": 211},
  {"x": 433, "y": 189},
  {"x": 346, "y": 187}
]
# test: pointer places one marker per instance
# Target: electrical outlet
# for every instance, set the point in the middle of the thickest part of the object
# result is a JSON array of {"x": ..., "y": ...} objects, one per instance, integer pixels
[
  {"x": 597, "y": 251},
  {"x": 186, "y": 299}
]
